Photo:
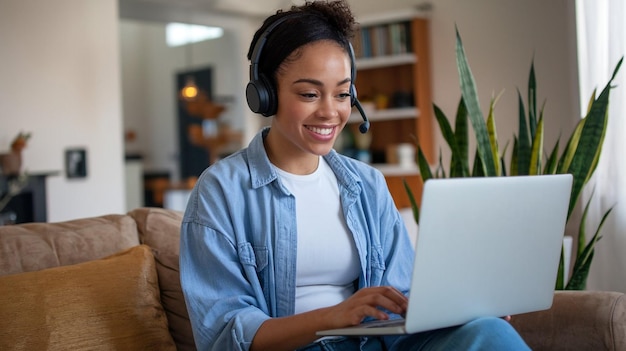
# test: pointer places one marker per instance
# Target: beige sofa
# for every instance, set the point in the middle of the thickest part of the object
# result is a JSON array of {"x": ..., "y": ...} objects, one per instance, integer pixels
[{"x": 111, "y": 283}]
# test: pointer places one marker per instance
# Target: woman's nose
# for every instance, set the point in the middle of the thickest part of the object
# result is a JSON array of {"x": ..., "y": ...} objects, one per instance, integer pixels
[{"x": 329, "y": 108}]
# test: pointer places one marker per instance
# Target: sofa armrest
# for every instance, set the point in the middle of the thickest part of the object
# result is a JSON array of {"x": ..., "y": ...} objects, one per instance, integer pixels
[{"x": 577, "y": 320}]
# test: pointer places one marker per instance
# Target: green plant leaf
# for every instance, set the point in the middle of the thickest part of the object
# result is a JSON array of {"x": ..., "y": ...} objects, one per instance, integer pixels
[
  {"x": 568, "y": 154},
  {"x": 589, "y": 145},
  {"x": 414, "y": 206},
  {"x": 461, "y": 135},
  {"x": 570, "y": 148},
  {"x": 560, "y": 271},
  {"x": 532, "y": 100},
  {"x": 552, "y": 163},
  {"x": 584, "y": 251},
  {"x": 423, "y": 165},
  {"x": 582, "y": 231},
  {"x": 456, "y": 166},
  {"x": 502, "y": 160},
  {"x": 578, "y": 280},
  {"x": 493, "y": 135},
  {"x": 446, "y": 129},
  {"x": 537, "y": 150},
  {"x": 584, "y": 259},
  {"x": 514, "y": 155},
  {"x": 440, "y": 172},
  {"x": 523, "y": 146},
  {"x": 472, "y": 103},
  {"x": 478, "y": 169}
]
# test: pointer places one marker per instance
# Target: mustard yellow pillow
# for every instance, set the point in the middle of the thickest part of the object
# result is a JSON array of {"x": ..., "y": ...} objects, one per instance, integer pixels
[{"x": 107, "y": 304}]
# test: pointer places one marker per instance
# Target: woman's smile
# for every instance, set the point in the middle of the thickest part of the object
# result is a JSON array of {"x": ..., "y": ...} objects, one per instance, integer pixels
[{"x": 322, "y": 131}]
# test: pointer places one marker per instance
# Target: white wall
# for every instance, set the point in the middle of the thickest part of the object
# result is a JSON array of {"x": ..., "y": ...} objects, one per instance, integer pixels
[{"x": 59, "y": 79}]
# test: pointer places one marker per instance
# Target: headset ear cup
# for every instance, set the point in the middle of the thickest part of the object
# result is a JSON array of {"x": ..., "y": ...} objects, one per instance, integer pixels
[
  {"x": 253, "y": 96},
  {"x": 261, "y": 97},
  {"x": 271, "y": 101},
  {"x": 353, "y": 95}
]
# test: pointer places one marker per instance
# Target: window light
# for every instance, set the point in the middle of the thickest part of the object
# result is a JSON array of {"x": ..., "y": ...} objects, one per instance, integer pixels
[{"x": 177, "y": 34}]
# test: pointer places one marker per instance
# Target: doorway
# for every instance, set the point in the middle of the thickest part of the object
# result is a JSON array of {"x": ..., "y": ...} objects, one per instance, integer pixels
[{"x": 193, "y": 160}]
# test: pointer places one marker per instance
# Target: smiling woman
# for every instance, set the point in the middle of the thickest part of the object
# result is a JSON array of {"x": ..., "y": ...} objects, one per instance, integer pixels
[{"x": 288, "y": 216}]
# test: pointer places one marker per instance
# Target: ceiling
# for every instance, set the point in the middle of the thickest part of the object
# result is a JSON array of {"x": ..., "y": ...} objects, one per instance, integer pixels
[
  {"x": 251, "y": 8},
  {"x": 247, "y": 8}
]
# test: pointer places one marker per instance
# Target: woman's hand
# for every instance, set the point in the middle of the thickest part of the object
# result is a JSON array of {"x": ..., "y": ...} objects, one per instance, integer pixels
[
  {"x": 367, "y": 302},
  {"x": 292, "y": 332}
]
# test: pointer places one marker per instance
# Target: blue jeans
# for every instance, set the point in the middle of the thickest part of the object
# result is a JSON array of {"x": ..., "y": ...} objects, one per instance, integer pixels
[
  {"x": 480, "y": 334},
  {"x": 345, "y": 344}
]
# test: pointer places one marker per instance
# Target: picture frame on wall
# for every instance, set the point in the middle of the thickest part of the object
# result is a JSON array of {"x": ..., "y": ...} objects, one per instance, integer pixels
[{"x": 76, "y": 163}]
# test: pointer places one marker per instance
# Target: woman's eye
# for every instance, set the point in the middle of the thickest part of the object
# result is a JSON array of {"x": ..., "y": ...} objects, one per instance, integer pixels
[
  {"x": 344, "y": 95},
  {"x": 309, "y": 95}
]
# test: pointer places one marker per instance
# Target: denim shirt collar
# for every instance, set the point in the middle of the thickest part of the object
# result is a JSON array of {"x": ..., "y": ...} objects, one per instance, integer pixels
[
  {"x": 262, "y": 173},
  {"x": 261, "y": 170}
]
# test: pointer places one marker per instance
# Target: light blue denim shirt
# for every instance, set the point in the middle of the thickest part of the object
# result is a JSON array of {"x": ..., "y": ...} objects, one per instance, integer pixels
[{"x": 238, "y": 243}]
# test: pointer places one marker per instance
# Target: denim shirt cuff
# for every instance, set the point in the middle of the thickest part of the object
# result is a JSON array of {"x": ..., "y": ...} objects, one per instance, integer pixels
[{"x": 246, "y": 326}]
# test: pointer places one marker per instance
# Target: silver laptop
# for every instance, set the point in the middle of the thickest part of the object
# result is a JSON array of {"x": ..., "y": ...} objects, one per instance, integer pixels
[{"x": 485, "y": 247}]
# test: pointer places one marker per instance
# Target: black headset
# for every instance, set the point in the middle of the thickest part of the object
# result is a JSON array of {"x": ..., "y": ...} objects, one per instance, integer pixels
[{"x": 261, "y": 94}]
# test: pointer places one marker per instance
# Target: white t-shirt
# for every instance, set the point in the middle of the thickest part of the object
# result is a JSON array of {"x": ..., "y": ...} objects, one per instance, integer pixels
[{"x": 327, "y": 262}]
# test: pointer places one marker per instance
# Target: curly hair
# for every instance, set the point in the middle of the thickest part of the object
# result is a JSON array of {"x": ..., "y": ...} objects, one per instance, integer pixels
[
  {"x": 337, "y": 14},
  {"x": 311, "y": 22}
]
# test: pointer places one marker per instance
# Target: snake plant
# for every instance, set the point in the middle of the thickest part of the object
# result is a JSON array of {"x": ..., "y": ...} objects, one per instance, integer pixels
[{"x": 579, "y": 157}]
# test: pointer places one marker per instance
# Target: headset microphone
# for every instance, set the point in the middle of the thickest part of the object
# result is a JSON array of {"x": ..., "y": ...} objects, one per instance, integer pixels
[{"x": 365, "y": 125}]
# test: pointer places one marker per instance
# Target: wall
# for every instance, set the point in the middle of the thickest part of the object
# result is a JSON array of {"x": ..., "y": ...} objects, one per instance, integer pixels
[{"x": 59, "y": 80}]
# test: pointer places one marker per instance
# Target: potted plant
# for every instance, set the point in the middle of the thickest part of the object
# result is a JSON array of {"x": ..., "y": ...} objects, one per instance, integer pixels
[
  {"x": 11, "y": 162},
  {"x": 579, "y": 157},
  {"x": 12, "y": 180}
]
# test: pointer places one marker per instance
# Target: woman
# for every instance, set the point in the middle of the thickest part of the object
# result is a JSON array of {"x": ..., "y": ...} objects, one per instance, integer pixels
[{"x": 287, "y": 237}]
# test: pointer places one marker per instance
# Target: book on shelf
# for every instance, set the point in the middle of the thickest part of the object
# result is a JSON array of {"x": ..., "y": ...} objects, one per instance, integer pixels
[{"x": 383, "y": 40}]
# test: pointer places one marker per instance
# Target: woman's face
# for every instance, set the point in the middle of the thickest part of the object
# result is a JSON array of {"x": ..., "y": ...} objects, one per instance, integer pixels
[{"x": 313, "y": 103}]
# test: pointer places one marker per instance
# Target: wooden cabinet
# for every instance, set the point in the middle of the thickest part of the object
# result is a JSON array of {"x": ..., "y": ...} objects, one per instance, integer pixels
[
  {"x": 393, "y": 83},
  {"x": 395, "y": 183}
]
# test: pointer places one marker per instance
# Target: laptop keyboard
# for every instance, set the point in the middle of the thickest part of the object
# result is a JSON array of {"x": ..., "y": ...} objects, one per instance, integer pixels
[{"x": 383, "y": 323}]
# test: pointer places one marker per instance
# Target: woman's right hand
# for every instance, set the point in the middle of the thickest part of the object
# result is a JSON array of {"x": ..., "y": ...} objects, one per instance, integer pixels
[
  {"x": 367, "y": 302},
  {"x": 292, "y": 332}
]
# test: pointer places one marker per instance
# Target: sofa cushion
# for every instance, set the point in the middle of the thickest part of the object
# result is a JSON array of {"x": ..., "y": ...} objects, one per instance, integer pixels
[
  {"x": 160, "y": 229},
  {"x": 107, "y": 304},
  {"x": 577, "y": 320},
  {"x": 35, "y": 246}
]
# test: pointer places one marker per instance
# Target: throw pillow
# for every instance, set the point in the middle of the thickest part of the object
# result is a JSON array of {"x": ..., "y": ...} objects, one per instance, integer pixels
[
  {"x": 107, "y": 304},
  {"x": 160, "y": 229}
]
